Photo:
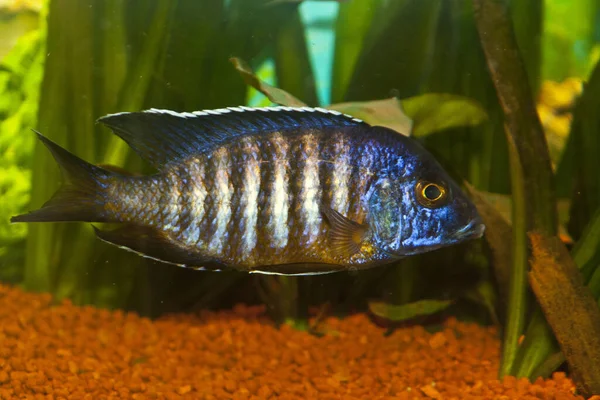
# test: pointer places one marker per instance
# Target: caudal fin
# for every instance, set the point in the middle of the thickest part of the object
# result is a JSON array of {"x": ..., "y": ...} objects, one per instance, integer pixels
[{"x": 80, "y": 198}]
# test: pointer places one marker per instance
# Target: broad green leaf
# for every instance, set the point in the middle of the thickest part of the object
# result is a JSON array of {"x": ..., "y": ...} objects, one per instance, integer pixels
[
  {"x": 434, "y": 112},
  {"x": 248, "y": 31},
  {"x": 477, "y": 153},
  {"x": 586, "y": 252},
  {"x": 396, "y": 59},
  {"x": 274, "y": 94},
  {"x": 387, "y": 112},
  {"x": 594, "y": 284},
  {"x": 527, "y": 22},
  {"x": 408, "y": 311},
  {"x": 567, "y": 42},
  {"x": 580, "y": 163},
  {"x": 187, "y": 58},
  {"x": 292, "y": 64},
  {"x": 140, "y": 75},
  {"x": 353, "y": 22},
  {"x": 114, "y": 55}
]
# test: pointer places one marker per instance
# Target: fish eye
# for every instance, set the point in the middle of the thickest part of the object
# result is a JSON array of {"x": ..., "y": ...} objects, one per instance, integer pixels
[{"x": 431, "y": 195}]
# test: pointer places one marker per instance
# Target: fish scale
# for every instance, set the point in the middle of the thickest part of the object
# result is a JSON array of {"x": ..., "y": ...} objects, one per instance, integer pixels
[
  {"x": 305, "y": 195},
  {"x": 273, "y": 190}
]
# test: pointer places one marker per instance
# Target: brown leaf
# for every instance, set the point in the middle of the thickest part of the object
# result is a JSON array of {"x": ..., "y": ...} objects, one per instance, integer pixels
[
  {"x": 502, "y": 203},
  {"x": 569, "y": 307},
  {"x": 387, "y": 112},
  {"x": 274, "y": 94},
  {"x": 498, "y": 234}
]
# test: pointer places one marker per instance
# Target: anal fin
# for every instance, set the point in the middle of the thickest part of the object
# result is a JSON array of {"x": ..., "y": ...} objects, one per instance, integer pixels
[
  {"x": 152, "y": 243},
  {"x": 298, "y": 269}
]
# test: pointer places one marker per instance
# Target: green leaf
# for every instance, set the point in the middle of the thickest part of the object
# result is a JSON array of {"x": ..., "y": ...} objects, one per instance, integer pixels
[
  {"x": 527, "y": 22},
  {"x": 517, "y": 289},
  {"x": 397, "y": 54},
  {"x": 138, "y": 82},
  {"x": 580, "y": 171},
  {"x": 353, "y": 22},
  {"x": 567, "y": 42},
  {"x": 434, "y": 112},
  {"x": 387, "y": 112},
  {"x": 292, "y": 65},
  {"x": 586, "y": 252},
  {"x": 248, "y": 31},
  {"x": 408, "y": 311},
  {"x": 274, "y": 94}
]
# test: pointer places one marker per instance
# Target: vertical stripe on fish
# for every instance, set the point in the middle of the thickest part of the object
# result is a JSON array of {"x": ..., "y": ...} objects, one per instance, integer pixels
[
  {"x": 278, "y": 201},
  {"x": 170, "y": 201},
  {"x": 341, "y": 175},
  {"x": 222, "y": 193},
  {"x": 248, "y": 205},
  {"x": 310, "y": 190},
  {"x": 194, "y": 203}
]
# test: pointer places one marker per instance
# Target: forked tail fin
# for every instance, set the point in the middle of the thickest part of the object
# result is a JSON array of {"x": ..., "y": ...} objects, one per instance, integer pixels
[{"x": 80, "y": 198}]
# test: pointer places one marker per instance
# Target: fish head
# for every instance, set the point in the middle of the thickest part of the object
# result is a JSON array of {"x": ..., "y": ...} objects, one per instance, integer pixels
[{"x": 420, "y": 211}]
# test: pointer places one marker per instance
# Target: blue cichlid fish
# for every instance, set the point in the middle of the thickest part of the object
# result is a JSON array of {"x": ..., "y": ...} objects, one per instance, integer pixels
[{"x": 277, "y": 190}]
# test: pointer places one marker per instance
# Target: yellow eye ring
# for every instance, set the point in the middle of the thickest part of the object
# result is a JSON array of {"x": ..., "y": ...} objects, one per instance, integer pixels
[{"x": 431, "y": 195}]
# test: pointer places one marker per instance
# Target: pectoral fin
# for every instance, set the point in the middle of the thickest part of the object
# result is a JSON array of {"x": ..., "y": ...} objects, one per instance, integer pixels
[{"x": 345, "y": 235}]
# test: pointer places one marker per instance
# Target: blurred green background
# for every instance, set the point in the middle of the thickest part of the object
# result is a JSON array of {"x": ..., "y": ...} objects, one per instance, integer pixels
[{"x": 65, "y": 63}]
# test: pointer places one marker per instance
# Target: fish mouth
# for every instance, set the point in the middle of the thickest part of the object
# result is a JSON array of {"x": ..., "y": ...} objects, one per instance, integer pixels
[{"x": 473, "y": 230}]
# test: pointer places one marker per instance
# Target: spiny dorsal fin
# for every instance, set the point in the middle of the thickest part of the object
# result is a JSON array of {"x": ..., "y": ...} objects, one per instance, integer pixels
[{"x": 163, "y": 136}]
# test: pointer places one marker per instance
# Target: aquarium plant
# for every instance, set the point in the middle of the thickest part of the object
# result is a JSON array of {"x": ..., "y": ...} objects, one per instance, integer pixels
[{"x": 524, "y": 145}]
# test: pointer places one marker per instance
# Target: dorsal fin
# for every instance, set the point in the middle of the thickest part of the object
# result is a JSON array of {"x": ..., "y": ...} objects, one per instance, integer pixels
[{"x": 163, "y": 136}]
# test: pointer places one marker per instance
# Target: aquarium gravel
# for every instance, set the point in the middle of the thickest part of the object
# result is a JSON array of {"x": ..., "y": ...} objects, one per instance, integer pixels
[{"x": 64, "y": 351}]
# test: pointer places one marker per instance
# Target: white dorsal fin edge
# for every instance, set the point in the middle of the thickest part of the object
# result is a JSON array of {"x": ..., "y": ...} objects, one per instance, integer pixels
[{"x": 241, "y": 109}]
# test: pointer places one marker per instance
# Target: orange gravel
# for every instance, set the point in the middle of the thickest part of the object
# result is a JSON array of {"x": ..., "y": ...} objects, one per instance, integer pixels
[{"x": 69, "y": 352}]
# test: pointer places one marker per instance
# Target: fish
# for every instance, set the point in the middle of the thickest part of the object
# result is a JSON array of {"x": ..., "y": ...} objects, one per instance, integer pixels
[{"x": 272, "y": 190}]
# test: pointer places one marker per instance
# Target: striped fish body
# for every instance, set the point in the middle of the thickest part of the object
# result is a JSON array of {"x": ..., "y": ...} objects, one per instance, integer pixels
[
  {"x": 272, "y": 190},
  {"x": 256, "y": 203}
]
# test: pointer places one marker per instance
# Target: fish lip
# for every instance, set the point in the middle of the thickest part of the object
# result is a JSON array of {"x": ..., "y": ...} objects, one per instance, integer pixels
[{"x": 474, "y": 229}]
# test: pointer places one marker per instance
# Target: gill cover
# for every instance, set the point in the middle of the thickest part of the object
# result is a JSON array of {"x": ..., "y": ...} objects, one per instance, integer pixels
[{"x": 385, "y": 215}]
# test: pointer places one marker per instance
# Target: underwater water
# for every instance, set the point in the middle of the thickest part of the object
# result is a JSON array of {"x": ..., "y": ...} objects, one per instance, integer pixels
[{"x": 400, "y": 198}]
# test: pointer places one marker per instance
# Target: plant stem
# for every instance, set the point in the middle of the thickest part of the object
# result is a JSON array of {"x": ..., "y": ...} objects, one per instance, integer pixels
[
  {"x": 534, "y": 206},
  {"x": 517, "y": 288},
  {"x": 522, "y": 122}
]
